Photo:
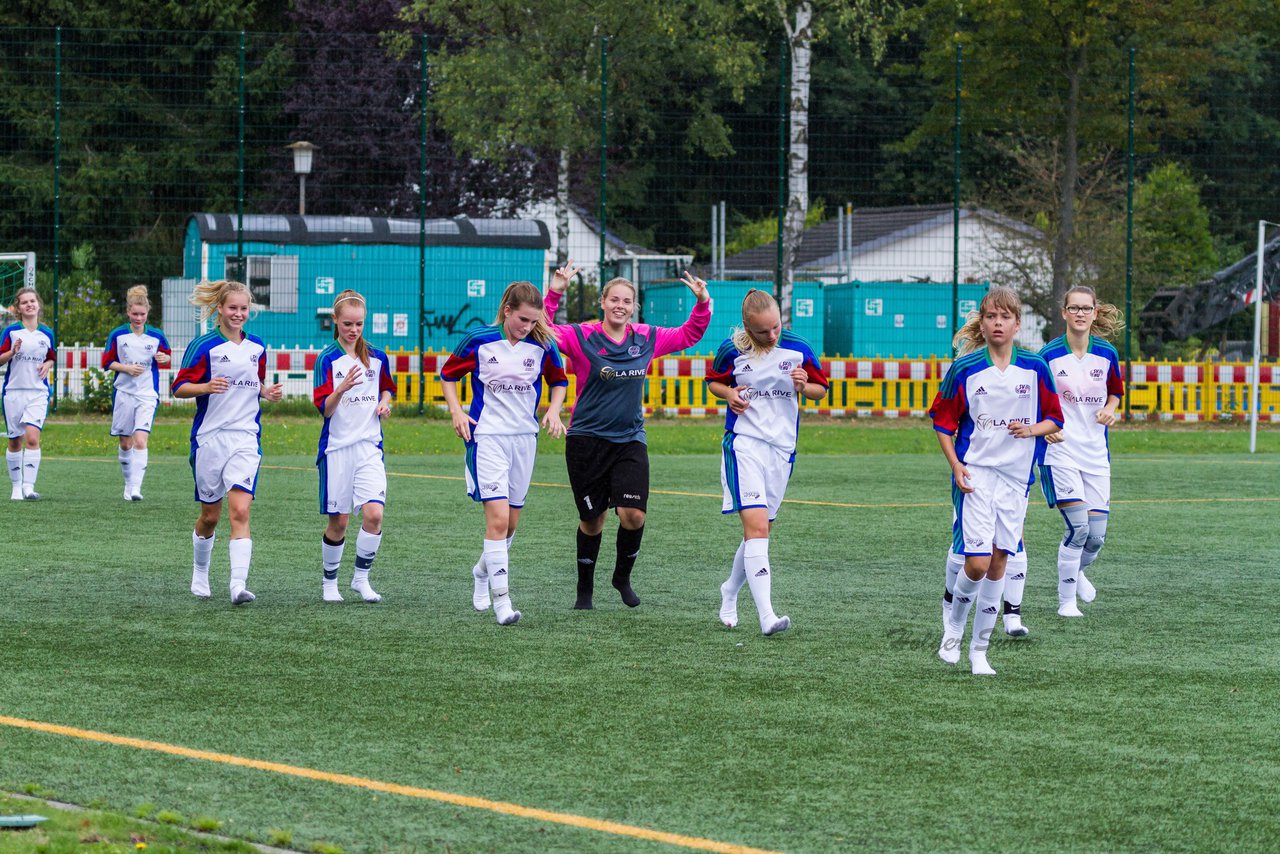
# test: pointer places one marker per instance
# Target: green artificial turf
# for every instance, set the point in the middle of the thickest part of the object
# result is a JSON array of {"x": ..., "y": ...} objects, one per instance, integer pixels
[{"x": 1150, "y": 723}]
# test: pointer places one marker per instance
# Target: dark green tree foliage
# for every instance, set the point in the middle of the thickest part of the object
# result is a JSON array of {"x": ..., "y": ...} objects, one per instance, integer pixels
[
  {"x": 148, "y": 126},
  {"x": 1045, "y": 89}
]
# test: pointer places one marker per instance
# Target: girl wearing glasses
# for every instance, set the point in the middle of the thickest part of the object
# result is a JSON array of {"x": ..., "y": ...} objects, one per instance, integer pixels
[{"x": 1075, "y": 469}]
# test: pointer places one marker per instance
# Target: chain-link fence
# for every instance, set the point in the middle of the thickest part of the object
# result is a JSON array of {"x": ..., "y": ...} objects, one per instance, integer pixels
[{"x": 404, "y": 167}]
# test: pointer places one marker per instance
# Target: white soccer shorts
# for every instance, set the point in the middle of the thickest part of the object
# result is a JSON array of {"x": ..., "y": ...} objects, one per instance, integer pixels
[
  {"x": 753, "y": 473},
  {"x": 223, "y": 462},
  {"x": 24, "y": 407},
  {"x": 990, "y": 516},
  {"x": 501, "y": 467},
  {"x": 131, "y": 414},
  {"x": 1062, "y": 483},
  {"x": 352, "y": 477}
]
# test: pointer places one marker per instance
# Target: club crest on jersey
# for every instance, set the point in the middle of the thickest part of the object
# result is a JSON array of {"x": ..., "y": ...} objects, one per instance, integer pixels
[
  {"x": 785, "y": 366},
  {"x": 1023, "y": 390},
  {"x": 528, "y": 363},
  {"x": 254, "y": 358},
  {"x": 633, "y": 350},
  {"x": 149, "y": 347},
  {"x": 1096, "y": 373}
]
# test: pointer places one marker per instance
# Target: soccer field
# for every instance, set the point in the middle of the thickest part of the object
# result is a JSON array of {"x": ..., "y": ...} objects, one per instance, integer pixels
[{"x": 1151, "y": 723}]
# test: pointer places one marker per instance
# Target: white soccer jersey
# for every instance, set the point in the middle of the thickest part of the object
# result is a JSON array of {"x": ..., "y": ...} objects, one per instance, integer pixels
[
  {"x": 773, "y": 413},
  {"x": 977, "y": 402},
  {"x": 24, "y": 367},
  {"x": 356, "y": 419},
  {"x": 129, "y": 348},
  {"x": 506, "y": 379},
  {"x": 238, "y": 409},
  {"x": 1084, "y": 384}
]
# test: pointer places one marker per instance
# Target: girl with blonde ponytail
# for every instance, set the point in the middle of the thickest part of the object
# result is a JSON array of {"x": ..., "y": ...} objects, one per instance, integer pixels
[
  {"x": 991, "y": 402},
  {"x": 353, "y": 391},
  {"x": 1075, "y": 474},
  {"x": 225, "y": 371},
  {"x": 762, "y": 371},
  {"x": 135, "y": 352},
  {"x": 508, "y": 363}
]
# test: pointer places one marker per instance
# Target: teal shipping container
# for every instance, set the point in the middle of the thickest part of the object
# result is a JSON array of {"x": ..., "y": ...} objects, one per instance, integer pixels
[
  {"x": 294, "y": 266},
  {"x": 669, "y": 303},
  {"x": 882, "y": 320}
]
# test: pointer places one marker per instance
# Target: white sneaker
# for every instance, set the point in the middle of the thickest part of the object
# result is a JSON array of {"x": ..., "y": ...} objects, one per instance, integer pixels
[
  {"x": 241, "y": 596},
  {"x": 200, "y": 583},
  {"x": 728, "y": 608},
  {"x": 978, "y": 663},
  {"x": 781, "y": 624},
  {"x": 510, "y": 618},
  {"x": 1013, "y": 626},
  {"x": 1069, "y": 609},
  {"x": 31, "y": 496},
  {"x": 366, "y": 592},
  {"x": 949, "y": 649},
  {"x": 480, "y": 590},
  {"x": 1086, "y": 589},
  {"x": 329, "y": 591}
]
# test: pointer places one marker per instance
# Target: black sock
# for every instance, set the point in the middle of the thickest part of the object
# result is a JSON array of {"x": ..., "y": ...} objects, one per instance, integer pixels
[
  {"x": 628, "y": 550},
  {"x": 588, "y": 552}
]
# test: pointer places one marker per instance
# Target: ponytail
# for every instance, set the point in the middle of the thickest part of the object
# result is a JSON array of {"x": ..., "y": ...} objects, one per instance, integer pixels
[
  {"x": 755, "y": 302},
  {"x": 209, "y": 295}
]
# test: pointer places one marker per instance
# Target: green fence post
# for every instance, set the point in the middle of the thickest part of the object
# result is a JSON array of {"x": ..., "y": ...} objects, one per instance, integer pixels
[
  {"x": 955, "y": 202},
  {"x": 1128, "y": 241},
  {"x": 422, "y": 225},
  {"x": 57, "y": 196},
  {"x": 604, "y": 171},
  {"x": 783, "y": 60},
  {"x": 240, "y": 166}
]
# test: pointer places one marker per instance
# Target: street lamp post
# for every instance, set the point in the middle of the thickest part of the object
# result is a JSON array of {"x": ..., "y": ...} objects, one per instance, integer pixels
[{"x": 302, "y": 166}]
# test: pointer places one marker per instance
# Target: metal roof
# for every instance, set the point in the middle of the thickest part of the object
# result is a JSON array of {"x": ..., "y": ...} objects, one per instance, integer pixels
[{"x": 327, "y": 230}]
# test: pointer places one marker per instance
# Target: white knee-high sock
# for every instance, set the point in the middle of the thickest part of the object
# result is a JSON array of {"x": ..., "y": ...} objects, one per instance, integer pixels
[
  {"x": 731, "y": 586},
  {"x": 30, "y": 469},
  {"x": 366, "y": 550},
  {"x": 202, "y": 547},
  {"x": 962, "y": 596},
  {"x": 241, "y": 550},
  {"x": 125, "y": 456},
  {"x": 14, "y": 460},
  {"x": 984, "y": 618},
  {"x": 202, "y": 552},
  {"x": 1015, "y": 582},
  {"x": 495, "y": 558},
  {"x": 955, "y": 564},
  {"x": 755, "y": 563},
  {"x": 138, "y": 469},
  {"x": 331, "y": 557},
  {"x": 1068, "y": 569}
]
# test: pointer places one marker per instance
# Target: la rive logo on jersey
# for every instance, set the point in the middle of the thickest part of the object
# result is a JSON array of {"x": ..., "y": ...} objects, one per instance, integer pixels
[
  {"x": 991, "y": 422},
  {"x": 611, "y": 373}
]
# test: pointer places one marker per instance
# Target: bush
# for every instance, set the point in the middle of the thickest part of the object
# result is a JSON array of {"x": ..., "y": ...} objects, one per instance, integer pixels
[{"x": 98, "y": 390}]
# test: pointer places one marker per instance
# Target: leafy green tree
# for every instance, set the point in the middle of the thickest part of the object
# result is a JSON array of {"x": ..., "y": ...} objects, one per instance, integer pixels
[
  {"x": 1050, "y": 77},
  {"x": 1172, "y": 242},
  {"x": 526, "y": 73},
  {"x": 86, "y": 313}
]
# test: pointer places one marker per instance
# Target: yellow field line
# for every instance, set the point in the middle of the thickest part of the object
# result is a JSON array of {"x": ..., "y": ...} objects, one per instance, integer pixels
[
  {"x": 800, "y": 501},
  {"x": 569, "y": 819}
]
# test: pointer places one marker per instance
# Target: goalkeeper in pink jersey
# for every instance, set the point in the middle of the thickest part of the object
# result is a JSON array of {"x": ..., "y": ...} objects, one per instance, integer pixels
[
  {"x": 606, "y": 451},
  {"x": 762, "y": 371}
]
